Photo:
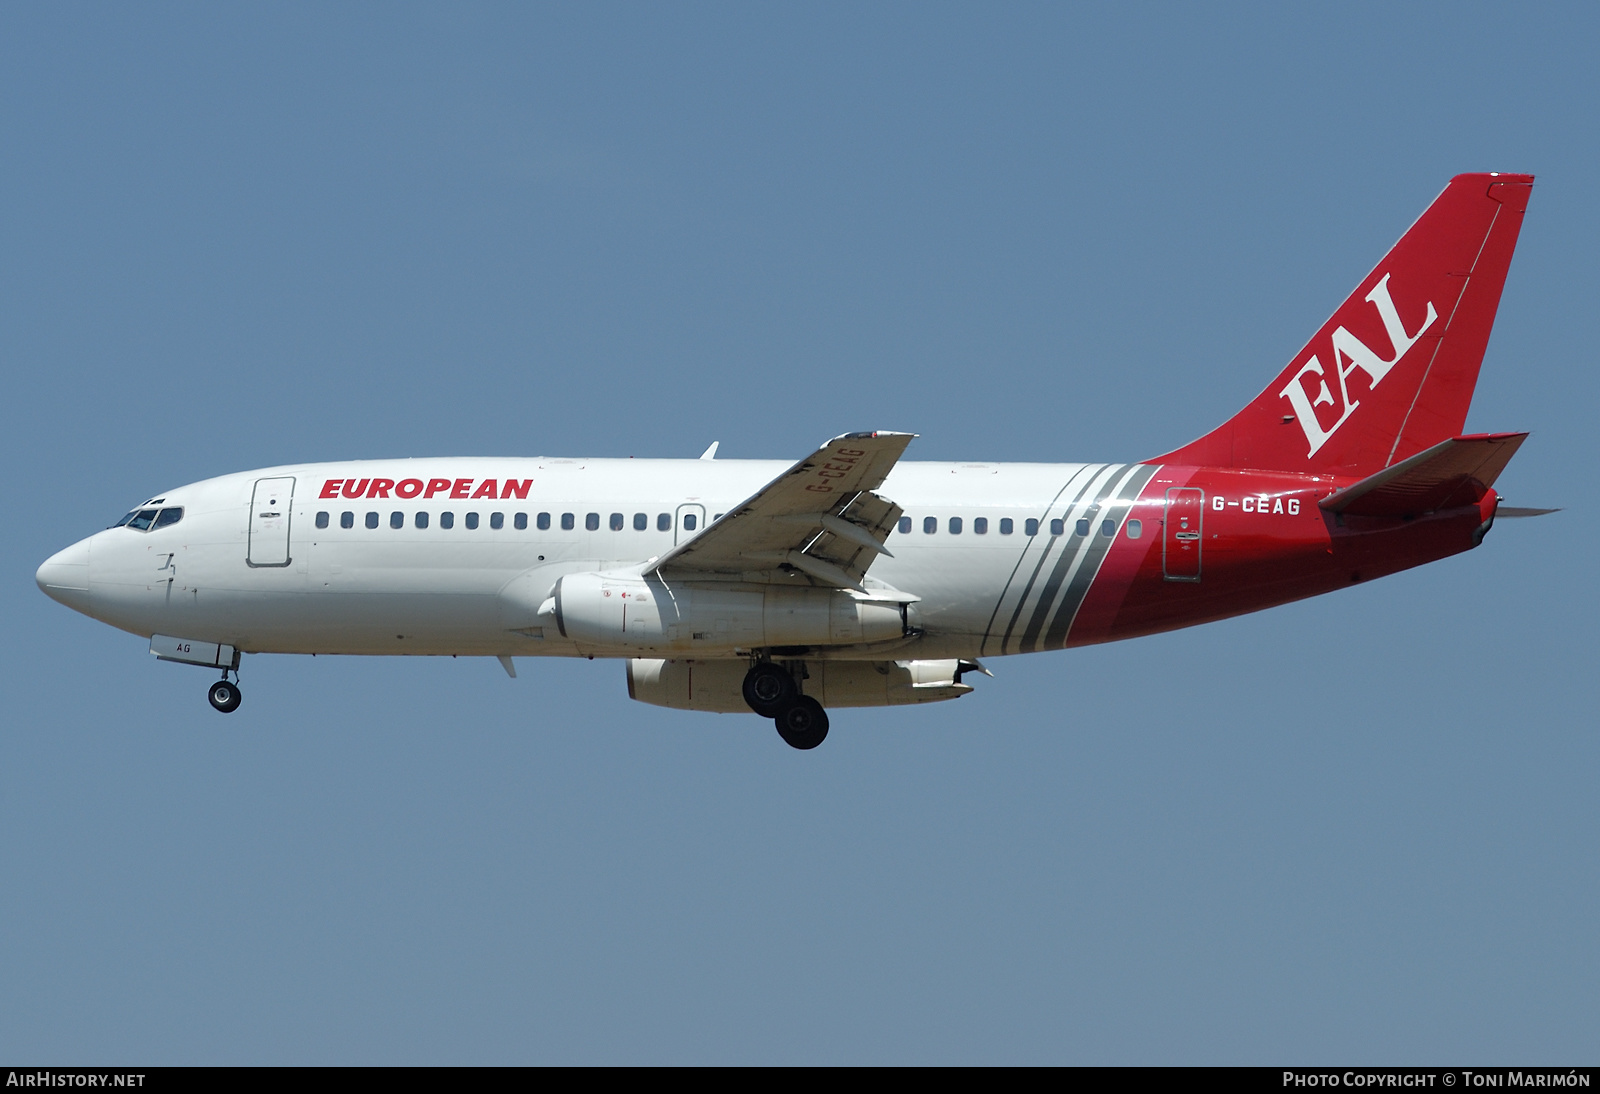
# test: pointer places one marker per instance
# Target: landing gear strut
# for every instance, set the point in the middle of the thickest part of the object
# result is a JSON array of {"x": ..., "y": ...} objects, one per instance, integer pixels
[
  {"x": 225, "y": 696},
  {"x": 770, "y": 691}
]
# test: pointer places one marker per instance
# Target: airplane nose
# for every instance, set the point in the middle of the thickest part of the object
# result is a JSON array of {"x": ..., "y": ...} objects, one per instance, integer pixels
[{"x": 65, "y": 575}]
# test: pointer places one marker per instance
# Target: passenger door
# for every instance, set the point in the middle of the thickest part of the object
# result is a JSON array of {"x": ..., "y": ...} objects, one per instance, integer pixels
[
  {"x": 1181, "y": 534},
  {"x": 688, "y": 522},
  {"x": 270, "y": 508}
]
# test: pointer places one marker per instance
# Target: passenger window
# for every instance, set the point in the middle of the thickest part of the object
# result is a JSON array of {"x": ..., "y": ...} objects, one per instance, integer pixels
[
  {"x": 591, "y": 522},
  {"x": 1030, "y": 527},
  {"x": 641, "y": 521},
  {"x": 142, "y": 520},
  {"x": 447, "y": 519},
  {"x": 955, "y": 526},
  {"x": 372, "y": 520},
  {"x": 397, "y": 520},
  {"x": 497, "y": 521},
  {"x": 616, "y": 522},
  {"x": 663, "y": 522},
  {"x": 1135, "y": 529},
  {"x": 980, "y": 526},
  {"x": 520, "y": 522},
  {"x": 422, "y": 520},
  {"x": 1006, "y": 527},
  {"x": 930, "y": 525},
  {"x": 1083, "y": 527},
  {"x": 543, "y": 522},
  {"x": 322, "y": 520},
  {"x": 905, "y": 526},
  {"x": 716, "y": 518},
  {"x": 1108, "y": 528},
  {"x": 173, "y": 516},
  {"x": 568, "y": 522},
  {"x": 347, "y": 519},
  {"x": 689, "y": 522},
  {"x": 1058, "y": 528},
  {"x": 472, "y": 521}
]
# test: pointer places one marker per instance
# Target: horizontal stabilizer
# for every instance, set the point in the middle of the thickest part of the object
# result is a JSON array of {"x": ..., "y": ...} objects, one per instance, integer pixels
[
  {"x": 1522, "y": 511},
  {"x": 1452, "y": 473}
]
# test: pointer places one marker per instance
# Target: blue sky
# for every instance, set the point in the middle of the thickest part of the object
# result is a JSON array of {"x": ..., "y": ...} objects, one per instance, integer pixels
[{"x": 1360, "y": 828}]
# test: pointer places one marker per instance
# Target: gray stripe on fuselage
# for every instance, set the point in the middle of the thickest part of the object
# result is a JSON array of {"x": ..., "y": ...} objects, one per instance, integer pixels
[
  {"x": 1073, "y": 549},
  {"x": 1088, "y": 474},
  {"x": 1061, "y": 623},
  {"x": 1089, "y": 470}
]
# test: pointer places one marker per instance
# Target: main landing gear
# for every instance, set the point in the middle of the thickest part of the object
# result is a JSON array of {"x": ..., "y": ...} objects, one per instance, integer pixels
[
  {"x": 803, "y": 723},
  {"x": 770, "y": 691},
  {"x": 225, "y": 696}
]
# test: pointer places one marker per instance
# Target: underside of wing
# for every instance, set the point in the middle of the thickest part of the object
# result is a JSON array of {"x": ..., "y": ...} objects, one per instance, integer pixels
[{"x": 821, "y": 519}]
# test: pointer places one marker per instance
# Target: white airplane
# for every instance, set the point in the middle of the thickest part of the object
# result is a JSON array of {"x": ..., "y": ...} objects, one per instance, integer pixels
[{"x": 851, "y": 578}]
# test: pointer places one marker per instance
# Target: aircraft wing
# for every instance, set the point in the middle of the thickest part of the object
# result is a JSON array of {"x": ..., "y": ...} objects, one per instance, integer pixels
[{"x": 820, "y": 518}]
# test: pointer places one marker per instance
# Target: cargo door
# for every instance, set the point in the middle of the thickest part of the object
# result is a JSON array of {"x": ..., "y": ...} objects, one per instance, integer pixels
[
  {"x": 270, "y": 507},
  {"x": 1181, "y": 534}
]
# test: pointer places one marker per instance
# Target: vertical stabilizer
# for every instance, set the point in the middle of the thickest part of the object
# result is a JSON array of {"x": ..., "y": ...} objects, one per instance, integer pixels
[{"x": 1391, "y": 372}]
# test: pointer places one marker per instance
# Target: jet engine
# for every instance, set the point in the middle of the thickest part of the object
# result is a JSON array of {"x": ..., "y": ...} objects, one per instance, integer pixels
[
  {"x": 692, "y": 684},
  {"x": 606, "y": 611}
]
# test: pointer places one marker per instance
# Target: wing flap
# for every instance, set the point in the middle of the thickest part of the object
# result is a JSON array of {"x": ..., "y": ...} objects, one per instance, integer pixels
[{"x": 820, "y": 518}]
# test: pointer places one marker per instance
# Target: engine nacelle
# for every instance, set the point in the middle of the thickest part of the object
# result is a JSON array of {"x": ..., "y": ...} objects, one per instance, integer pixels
[
  {"x": 692, "y": 684},
  {"x": 604, "y": 611}
]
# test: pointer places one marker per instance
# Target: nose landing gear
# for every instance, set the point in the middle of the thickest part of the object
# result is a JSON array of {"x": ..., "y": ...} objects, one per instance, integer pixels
[
  {"x": 225, "y": 696},
  {"x": 770, "y": 691}
]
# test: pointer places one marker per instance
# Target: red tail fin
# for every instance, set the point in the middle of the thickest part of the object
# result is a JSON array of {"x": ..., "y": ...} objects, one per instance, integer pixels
[{"x": 1392, "y": 372}]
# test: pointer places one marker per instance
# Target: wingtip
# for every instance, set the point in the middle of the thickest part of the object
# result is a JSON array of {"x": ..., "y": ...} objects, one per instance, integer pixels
[{"x": 872, "y": 434}]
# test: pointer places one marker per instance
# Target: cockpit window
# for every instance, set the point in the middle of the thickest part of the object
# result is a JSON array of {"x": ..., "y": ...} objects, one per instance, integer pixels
[{"x": 143, "y": 520}]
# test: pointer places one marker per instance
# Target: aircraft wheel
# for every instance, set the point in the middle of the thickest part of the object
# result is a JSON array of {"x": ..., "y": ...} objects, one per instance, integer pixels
[
  {"x": 225, "y": 696},
  {"x": 803, "y": 723},
  {"x": 768, "y": 688}
]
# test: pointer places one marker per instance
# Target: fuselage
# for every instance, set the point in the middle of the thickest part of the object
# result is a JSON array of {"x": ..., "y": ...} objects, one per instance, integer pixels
[
  {"x": 853, "y": 577},
  {"x": 455, "y": 555}
]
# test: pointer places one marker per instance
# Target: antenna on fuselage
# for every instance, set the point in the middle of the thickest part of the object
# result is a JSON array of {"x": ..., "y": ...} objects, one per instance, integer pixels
[{"x": 710, "y": 453}]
